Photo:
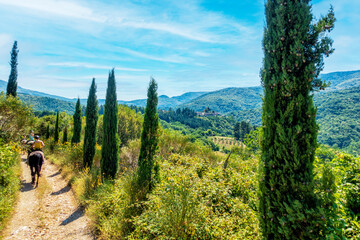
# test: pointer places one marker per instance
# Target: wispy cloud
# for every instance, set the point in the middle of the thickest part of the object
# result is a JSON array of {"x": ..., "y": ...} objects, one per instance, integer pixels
[
  {"x": 63, "y": 8},
  {"x": 93, "y": 66}
]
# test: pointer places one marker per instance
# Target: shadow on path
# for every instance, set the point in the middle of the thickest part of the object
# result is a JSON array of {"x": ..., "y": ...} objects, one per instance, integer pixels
[
  {"x": 26, "y": 186},
  {"x": 79, "y": 212},
  {"x": 55, "y": 174},
  {"x": 63, "y": 190}
]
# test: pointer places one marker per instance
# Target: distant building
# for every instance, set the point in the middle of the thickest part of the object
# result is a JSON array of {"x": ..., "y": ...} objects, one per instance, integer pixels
[{"x": 207, "y": 113}]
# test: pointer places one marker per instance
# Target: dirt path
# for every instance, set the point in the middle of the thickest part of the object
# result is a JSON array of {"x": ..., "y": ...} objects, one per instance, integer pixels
[{"x": 49, "y": 211}]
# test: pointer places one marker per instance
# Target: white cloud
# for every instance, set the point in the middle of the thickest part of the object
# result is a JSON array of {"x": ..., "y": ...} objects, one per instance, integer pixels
[
  {"x": 172, "y": 59},
  {"x": 63, "y": 8},
  {"x": 93, "y": 66}
]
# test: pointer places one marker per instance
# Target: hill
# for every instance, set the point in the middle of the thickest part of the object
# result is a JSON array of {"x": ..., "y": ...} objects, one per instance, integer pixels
[
  {"x": 227, "y": 100},
  {"x": 35, "y": 98},
  {"x": 342, "y": 80},
  {"x": 39, "y": 103}
]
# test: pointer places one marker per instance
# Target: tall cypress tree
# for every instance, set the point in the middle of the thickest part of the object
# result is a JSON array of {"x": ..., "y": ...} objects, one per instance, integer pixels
[
  {"x": 77, "y": 123},
  {"x": 65, "y": 135},
  {"x": 237, "y": 131},
  {"x": 149, "y": 138},
  {"x": 294, "y": 47},
  {"x": 56, "y": 134},
  {"x": 12, "y": 83},
  {"x": 110, "y": 146},
  {"x": 92, "y": 116},
  {"x": 47, "y": 136}
]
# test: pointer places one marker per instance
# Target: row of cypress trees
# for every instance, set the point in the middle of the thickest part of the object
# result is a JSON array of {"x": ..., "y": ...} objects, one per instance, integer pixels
[{"x": 110, "y": 147}]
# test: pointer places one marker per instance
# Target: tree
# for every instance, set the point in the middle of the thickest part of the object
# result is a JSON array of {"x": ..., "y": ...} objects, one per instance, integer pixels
[
  {"x": 110, "y": 147},
  {"x": 12, "y": 83},
  {"x": 91, "y": 113},
  {"x": 56, "y": 134},
  {"x": 244, "y": 129},
  {"x": 47, "y": 136},
  {"x": 65, "y": 135},
  {"x": 237, "y": 131},
  {"x": 294, "y": 46},
  {"x": 77, "y": 123},
  {"x": 149, "y": 138}
]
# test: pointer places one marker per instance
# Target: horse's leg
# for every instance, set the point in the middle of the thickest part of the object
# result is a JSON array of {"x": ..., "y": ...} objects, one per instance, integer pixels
[
  {"x": 38, "y": 169},
  {"x": 32, "y": 169}
]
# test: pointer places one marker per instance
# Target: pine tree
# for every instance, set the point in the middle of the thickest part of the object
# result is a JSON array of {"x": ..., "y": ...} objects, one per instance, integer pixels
[
  {"x": 91, "y": 113},
  {"x": 56, "y": 134},
  {"x": 149, "y": 138},
  {"x": 294, "y": 47},
  {"x": 12, "y": 83},
  {"x": 77, "y": 123},
  {"x": 47, "y": 136},
  {"x": 65, "y": 135},
  {"x": 110, "y": 146}
]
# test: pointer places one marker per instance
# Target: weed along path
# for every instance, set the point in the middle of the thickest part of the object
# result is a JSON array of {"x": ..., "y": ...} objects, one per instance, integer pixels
[{"x": 48, "y": 211}]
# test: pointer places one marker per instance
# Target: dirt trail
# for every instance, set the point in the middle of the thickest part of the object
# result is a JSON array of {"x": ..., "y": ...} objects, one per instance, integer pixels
[{"x": 49, "y": 211}]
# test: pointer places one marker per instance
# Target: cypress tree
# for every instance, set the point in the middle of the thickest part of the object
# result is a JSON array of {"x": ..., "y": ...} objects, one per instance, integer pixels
[
  {"x": 77, "y": 123},
  {"x": 110, "y": 146},
  {"x": 56, "y": 134},
  {"x": 65, "y": 135},
  {"x": 237, "y": 131},
  {"x": 294, "y": 47},
  {"x": 91, "y": 113},
  {"x": 47, "y": 136},
  {"x": 12, "y": 83},
  {"x": 149, "y": 138}
]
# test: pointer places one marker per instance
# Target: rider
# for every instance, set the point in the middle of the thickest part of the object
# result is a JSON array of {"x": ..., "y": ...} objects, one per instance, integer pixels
[
  {"x": 38, "y": 144},
  {"x": 31, "y": 136}
]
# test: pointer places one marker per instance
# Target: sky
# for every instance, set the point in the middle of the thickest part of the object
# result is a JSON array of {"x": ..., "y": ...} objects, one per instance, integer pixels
[{"x": 186, "y": 46}]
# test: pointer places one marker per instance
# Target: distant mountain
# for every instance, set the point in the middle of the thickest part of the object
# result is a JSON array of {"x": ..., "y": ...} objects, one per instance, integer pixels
[
  {"x": 3, "y": 85},
  {"x": 40, "y": 103},
  {"x": 227, "y": 100},
  {"x": 43, "y": 101},
  {"x": 342, "y": 80},
  {"x": 166, "y": 102}
]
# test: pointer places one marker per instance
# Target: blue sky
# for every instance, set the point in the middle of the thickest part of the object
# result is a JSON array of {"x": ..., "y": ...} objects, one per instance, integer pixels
[{"x": 190, "y": 45}]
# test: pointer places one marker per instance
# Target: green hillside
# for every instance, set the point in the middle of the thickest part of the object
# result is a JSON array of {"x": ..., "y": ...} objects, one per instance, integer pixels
[
  {"x": 227, "y": 100},
  {"x": 39, "y": 103},
  {"x": 342, "y": 80},
  {"x": 338, "y": 117}
]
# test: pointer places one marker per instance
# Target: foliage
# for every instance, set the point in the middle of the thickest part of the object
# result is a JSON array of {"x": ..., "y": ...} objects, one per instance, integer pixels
[
  {"x": 9, "y": 179},
  {"x": 294, "y": 47},
  {"x": 339, "y": 119},
  {"x": 149, "y": 139},
  {"x": 15, "y": 118},
  {"x": 337, "y": 175},
  {"x": 77, "y": 123},
  {"x": 90, "y": 127},
  {"x": 12, "y": 83},
  {"x": 56, "y": 131},
  {"x": 130, "y": 123},
  {"x": 65, "y": 135},
  {"x": 110, "y": 147},
  {"x": 46, "y": 105}
]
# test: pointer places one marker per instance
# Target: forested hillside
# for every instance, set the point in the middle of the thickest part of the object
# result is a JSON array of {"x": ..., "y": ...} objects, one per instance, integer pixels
[{"x": 227, "y": 100}]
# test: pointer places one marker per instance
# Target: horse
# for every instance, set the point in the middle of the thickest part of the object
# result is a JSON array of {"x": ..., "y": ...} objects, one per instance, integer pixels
[{"x": 35, "y": 163}]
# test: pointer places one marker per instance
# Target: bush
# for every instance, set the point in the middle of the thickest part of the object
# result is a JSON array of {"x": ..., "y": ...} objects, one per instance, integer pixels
[{"x": 9, "y": 179}]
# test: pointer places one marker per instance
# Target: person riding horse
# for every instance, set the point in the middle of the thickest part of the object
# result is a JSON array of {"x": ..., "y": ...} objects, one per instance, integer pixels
[{"x": 36, "y": 159}]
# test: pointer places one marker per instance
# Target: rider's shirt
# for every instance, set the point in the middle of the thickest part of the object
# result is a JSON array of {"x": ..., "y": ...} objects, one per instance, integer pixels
[{"x": 38, "y": 144}]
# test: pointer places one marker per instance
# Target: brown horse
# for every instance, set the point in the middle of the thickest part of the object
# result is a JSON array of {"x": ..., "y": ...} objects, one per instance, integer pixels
[{"x": 35, "y": 163}]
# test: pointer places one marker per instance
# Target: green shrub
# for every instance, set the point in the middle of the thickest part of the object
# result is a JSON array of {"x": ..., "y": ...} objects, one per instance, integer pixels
[{"x": 9, "y": 179}]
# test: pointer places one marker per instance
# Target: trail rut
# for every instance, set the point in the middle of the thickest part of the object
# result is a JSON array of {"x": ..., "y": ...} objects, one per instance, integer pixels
[{"x": 49, "y": 211}]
